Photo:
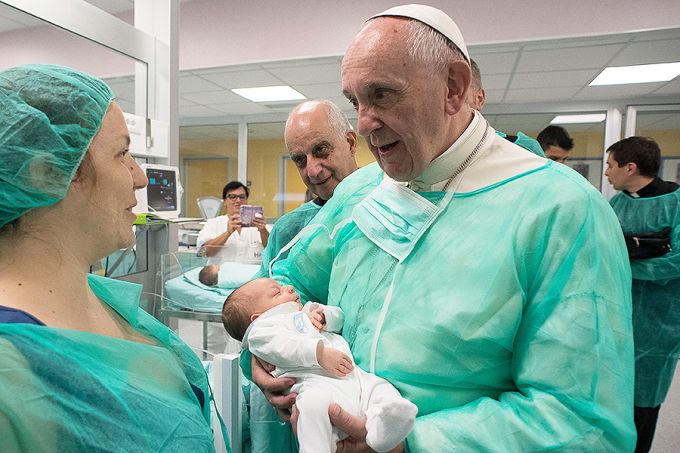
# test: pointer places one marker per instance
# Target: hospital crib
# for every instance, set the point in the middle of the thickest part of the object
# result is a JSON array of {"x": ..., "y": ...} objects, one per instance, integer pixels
[{"x": 181, "y": 299}]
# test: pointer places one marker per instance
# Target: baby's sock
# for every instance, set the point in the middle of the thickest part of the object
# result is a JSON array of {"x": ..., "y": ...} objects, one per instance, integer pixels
[{"x": 389, "y": 424}]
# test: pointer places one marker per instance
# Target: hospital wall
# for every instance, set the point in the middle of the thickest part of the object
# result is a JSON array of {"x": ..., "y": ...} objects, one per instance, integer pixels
[{"x": 207, "y": 165}]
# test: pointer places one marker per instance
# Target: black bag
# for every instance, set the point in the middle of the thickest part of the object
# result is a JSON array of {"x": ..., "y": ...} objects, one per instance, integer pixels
[{"x": 648, "y": 244}]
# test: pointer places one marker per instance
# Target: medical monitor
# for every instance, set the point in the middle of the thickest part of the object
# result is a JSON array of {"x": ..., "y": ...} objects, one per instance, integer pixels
[{"x": 162, "y": 194}]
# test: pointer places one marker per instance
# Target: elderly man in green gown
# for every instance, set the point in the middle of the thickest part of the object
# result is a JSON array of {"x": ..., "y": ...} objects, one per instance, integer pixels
[{"x": 490, "y": 286}]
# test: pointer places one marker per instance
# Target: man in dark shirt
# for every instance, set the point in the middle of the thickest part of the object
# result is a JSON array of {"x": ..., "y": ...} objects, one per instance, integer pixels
[{"x": 649, "y": 206}]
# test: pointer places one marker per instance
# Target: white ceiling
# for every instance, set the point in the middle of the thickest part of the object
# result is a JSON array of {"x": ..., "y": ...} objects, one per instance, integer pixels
[
  {"x": 519, "y": 78},
  {"x": 538, "y": 74},
  {"x": 532, "y": 76}
]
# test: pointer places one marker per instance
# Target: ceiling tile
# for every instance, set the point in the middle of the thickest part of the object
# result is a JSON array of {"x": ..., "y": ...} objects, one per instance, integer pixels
[
  {"x": 567, "y": 59},
  {"x": 598, "y": 93},
  {"x": 495, "y": 63},
  {"x": 540, "y": 94},
  {"x": 302, "y": 62},
  {"x": 198, "y": 111},
  {"x": 494, "y": 96},
  {"x": 654, "y": 35},
  {"x": 553, "y": 79},
  {"x": 244, "y": 79},
  {"x": 321, "y": 90},
  {"x": 223, "y": 96},
  {"x": 495, "y": 81},
  {"x": 324, "y": 73},
  {"x": 223, "y": 69},
  {"x": 183, "y": 102},
  {"x": 193, "y": 84},
  {"x": 647, "y": 52},
  {"x": 241, "y": 109},
  {"x": 552, "y": 44},
  {"x": 670, "y": 88}
]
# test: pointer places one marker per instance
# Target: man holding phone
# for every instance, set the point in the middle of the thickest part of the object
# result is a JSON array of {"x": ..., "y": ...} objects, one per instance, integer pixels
[{"x": 227, "y": 237}]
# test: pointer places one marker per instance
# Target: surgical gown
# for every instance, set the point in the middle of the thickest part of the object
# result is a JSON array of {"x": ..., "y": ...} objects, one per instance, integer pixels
[
  {"x": 508, "y": 323},
  {"x": 284, "y": 230},
  {"x": 656, "y": 295},
  {"x": 70, "y": 391}
]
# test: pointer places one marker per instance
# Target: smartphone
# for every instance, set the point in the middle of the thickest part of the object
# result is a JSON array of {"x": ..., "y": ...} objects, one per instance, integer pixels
[{"x": 248, "y": 213}]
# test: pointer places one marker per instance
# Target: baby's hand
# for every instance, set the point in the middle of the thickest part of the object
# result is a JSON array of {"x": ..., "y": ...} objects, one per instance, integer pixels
[
  {"x": 333, "y": 360},
  {"x": 318, "y": 318}
]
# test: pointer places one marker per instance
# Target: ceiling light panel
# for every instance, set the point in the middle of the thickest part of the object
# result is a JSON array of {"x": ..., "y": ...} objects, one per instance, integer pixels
[
  {"x": 620, "y": 75},
  {"x": 578, "y": 119},
  {"x": 269, "y": 94}
]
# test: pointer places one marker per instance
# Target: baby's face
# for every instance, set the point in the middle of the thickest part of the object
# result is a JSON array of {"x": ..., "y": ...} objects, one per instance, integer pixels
[{"x": 267, "y": 294}]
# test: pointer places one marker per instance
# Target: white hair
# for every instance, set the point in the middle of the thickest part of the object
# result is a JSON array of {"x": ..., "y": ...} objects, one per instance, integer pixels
[{"x": 428, "y": 46}]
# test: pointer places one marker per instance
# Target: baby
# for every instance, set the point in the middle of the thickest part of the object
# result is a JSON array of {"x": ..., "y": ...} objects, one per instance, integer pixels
[
  {"x": 209, "y": 275},
  {"x": 298, "y": 341}
]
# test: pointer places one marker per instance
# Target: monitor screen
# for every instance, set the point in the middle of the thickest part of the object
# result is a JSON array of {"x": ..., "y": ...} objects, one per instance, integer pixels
[{"x": 161, "y": 193}]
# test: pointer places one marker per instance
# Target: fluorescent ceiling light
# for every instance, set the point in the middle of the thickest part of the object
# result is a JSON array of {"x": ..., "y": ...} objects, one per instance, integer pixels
[
  {"x": 575, "y": 119},
  {"x": 269, "y": 94},
  {"x": 661, "y": 72}
]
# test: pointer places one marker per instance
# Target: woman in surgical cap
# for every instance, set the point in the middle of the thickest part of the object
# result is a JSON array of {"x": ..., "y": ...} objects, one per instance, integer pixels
[{"x": 82, "y": 367}]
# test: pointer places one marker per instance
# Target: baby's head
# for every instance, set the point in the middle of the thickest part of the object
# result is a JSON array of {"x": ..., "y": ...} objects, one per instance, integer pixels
[
  {"x": 209, "y": 275},
  {"x": 248, "y": 302}
]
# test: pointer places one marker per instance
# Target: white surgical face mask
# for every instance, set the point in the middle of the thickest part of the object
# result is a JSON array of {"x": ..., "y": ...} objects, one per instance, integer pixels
[{"x": 394, "y": 217}]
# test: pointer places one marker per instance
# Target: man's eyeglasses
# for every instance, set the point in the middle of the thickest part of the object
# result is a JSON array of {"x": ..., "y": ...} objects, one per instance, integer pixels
[{"x": 233, "y": 196}]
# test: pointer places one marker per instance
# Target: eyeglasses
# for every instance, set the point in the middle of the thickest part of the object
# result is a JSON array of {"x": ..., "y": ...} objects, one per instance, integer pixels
[{"x": 233, "y": 196}]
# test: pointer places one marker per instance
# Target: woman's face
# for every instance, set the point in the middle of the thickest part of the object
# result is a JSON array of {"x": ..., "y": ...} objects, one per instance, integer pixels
[
  {"x": 234, "y": 200},
  {"x": 110, "y": 182}
]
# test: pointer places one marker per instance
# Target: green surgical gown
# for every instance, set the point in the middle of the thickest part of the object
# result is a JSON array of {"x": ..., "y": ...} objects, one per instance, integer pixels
[
  {"x": 71, "y": 391},
  {"x": 508, "y": 324},
  {"x": 656, "y": 295},
  {"x": 284, "y": 230}
]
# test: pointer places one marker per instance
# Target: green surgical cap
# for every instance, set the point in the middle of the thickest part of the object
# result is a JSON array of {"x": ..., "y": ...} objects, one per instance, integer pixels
[{"x": 48, "y": 118}]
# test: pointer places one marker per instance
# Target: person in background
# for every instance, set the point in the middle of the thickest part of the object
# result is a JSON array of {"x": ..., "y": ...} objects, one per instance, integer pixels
[
  {"x": 82, "y": 366},
  {"x": 476, "y": 100},
  {"x": 444, "y": 260},
  {"x": 224, "y": 239},
  {"x": 649, "y": 211},
  {"x": 556, "y": 143},
  {"x": 322, "y": 145}
]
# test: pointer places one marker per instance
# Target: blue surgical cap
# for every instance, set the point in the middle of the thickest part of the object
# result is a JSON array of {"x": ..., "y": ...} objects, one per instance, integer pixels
[{"x": 48, "y": 118}]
